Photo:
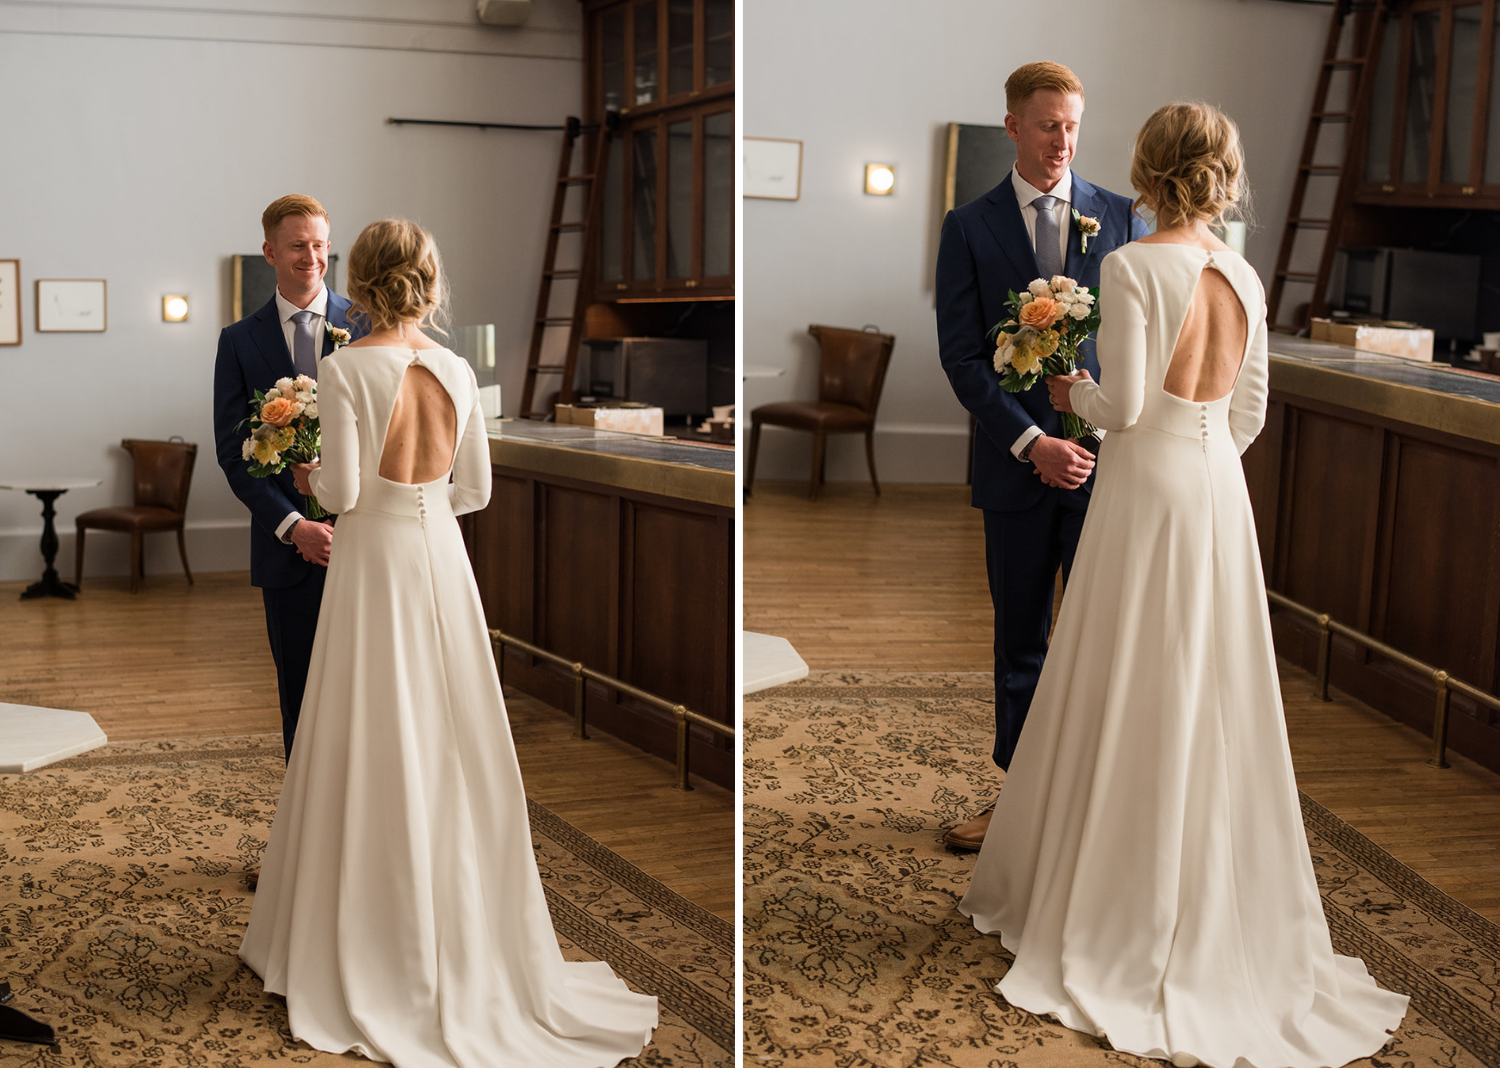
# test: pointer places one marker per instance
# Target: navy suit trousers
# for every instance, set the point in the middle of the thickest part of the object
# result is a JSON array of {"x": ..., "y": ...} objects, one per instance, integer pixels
[
  {"x": 1023, "y": 551},
  {"x": 291, "y": 623}
]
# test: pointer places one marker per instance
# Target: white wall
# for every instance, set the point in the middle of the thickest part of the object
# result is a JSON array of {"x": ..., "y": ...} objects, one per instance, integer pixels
[
  {"x": 865, "y": 81},
  {"x": 141, "y": 146}
]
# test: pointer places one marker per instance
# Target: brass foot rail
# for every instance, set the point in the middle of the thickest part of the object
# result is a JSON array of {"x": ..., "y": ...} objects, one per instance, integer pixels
[
  {"x": 1445, "y": 683},
  {"x": 683, "y": 715}
]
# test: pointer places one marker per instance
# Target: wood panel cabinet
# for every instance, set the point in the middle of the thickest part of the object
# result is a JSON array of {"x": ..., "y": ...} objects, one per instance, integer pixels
[{"x": 666, "y": 67}]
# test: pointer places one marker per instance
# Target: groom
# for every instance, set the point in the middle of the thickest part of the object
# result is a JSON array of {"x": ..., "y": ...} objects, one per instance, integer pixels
[
  {"x": 1032, "y": 483},
  {"x": 285, "y": 338}
]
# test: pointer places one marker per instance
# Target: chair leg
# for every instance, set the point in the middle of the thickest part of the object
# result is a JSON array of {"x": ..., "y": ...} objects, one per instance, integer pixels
[
  {"x": 754, "y": 449},
  {"x": 870, "y": 458},
  {"x": 78, "y": 558},
  {"x": 820, "y": 442},
  {"x": 137, "y": 562},
  {"x": 182, "y": 550}
]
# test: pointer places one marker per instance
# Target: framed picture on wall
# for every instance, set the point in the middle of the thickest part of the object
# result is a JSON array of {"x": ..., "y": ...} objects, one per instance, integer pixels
[
  {"x": 10, "y": 302},
  {"x": 979, "y": 157},
  {"x": 71, "y": 306},
  {"x": 773, "y": 168}
]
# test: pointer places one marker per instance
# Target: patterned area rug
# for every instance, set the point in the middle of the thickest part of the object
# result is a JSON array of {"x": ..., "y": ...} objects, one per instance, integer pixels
[
  {"x": 856, "y": 954},
  {"x": 122, "y": 907}
]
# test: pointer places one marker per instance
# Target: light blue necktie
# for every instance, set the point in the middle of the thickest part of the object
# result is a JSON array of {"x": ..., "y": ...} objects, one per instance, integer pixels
[
  {"x": 1048, "y": 241},
  {"x": 304, "y": 354}
]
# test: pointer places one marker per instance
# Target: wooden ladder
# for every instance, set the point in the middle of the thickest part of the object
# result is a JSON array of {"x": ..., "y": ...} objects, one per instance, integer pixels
[
  {"x": 1361, "y": 68},
  {"x": 588, "y": 226}
]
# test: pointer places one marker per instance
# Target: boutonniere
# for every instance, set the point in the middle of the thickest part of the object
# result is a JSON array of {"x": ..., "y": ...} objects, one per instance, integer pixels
[
  {"x": 1088, "y": 227},
  {"x": 341, "y": 336}
]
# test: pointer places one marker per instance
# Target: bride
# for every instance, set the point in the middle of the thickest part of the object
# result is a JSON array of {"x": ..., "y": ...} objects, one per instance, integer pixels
[
  {"x": 399, "y": 910},
  {"x": 1147, "y": 863}
]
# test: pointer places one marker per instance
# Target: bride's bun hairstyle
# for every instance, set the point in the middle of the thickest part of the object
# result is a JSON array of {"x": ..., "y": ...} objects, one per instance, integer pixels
[
  {"x": 396, "y": 275},
  {"x": 1188, "y": 165}
]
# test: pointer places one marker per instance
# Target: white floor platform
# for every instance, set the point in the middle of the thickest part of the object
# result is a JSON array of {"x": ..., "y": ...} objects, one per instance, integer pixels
[
  {"x": 32, "y": 738},
  {"x": 769, "y": 661}
]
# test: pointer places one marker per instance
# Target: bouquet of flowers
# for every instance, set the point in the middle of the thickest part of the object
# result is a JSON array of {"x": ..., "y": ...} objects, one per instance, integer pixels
[
  {"x": 284, "y": 429},
  {"x": 1047, "y": 323}
]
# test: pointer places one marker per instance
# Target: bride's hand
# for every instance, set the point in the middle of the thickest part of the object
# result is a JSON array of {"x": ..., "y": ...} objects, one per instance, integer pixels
[
  {"x": 299, "y": 476},
  {"x": 1058, "y": 386}
]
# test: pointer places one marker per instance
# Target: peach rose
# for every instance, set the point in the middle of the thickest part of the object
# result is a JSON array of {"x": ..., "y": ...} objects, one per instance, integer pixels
[
  {"x": 278, "y": 412},
  {"x": 1039, "y": 314}
]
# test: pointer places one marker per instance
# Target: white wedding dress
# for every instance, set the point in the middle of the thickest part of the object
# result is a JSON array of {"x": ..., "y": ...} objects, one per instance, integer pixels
[
  {"x": 1147, "y": 863},
  {"x": 399, "y": 909}
]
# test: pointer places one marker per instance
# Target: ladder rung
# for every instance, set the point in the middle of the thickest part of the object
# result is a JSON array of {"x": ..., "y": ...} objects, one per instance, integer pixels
[
  {"x": 1310, "y": 224},
  {"x": 1297, "y": 276},
  {"x": 547, "y": 368},
  {"x": 1323, "y": 168},
  {"x": 1346, "y": 62},
  {"x": 575, "y": 179},
  {"x": 568, "y": 227},
  {"x": 1333, "y": 116},
  {"x": 573, "y": 272},
  {"x": 556, "y": 320}
]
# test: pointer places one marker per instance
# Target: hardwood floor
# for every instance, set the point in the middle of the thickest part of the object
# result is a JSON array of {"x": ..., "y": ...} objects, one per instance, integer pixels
[
  {"x": 176, "y": 661},
  {"x": 898, "y": 583}
]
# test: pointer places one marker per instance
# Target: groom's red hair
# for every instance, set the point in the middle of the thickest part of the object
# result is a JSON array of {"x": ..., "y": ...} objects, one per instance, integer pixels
[
  {"x": 1032, "y": 78},
  {"x": 283, "y": 207}
]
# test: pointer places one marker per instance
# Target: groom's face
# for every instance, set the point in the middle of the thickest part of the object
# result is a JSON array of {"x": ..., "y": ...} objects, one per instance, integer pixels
[
  {"x": 1046, "y": 135},
  {"x": 298, "y": 249}
]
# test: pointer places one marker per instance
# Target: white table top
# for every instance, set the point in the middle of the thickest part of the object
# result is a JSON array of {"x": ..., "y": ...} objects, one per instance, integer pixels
[
  {"x": 31, "y": 738},
  {"x": 62, "y": 485},
  {"x": 761, "y": 370},
  {"x": 769, "y": 661}
]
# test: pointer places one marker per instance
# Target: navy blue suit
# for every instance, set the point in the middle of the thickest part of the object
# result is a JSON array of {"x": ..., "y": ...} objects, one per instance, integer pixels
[
  {"x": 1031, "y": 529},
  {"x": 253, "y": 354}
]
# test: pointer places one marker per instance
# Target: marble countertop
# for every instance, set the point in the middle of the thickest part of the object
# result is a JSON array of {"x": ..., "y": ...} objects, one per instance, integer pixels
[
  {"x": 667, "y": 467},
  {"x": 1432, "y": 395}
]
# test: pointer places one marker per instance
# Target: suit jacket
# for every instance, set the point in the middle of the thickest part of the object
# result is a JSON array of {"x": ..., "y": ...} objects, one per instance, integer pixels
[
  {"x": 252, "y": 355},
  {"x": 984, "y": 254}
]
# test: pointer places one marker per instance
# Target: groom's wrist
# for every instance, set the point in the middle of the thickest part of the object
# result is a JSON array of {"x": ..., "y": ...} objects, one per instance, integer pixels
[
  {"x": 1021, "y": 449},
  {"x": 284, "y": 530}
]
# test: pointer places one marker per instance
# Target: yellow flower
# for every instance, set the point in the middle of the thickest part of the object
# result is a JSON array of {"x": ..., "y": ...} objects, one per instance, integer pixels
[
  {"x": 1026, "y": 361},
  {"x": 1045, "y": 344},
  {"x": 284, "y": 438},
  {"x": 266, "y": 452}
]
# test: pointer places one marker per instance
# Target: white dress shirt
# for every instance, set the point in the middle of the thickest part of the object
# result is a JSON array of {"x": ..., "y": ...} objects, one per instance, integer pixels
[
  {"x": 319, "y": 307},
  {"x": 1026, "y": 193}
]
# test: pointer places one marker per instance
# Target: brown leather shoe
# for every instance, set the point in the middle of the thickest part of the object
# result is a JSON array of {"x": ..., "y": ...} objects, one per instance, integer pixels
[
  {"x": 970, "y": 836},
  {"x": 252, "y": 877}
]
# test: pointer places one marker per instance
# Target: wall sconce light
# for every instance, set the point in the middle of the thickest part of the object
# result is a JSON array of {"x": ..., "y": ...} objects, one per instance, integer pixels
[
  {"x": 880, "y": 179},
  {"x": 174, "y": 309}
]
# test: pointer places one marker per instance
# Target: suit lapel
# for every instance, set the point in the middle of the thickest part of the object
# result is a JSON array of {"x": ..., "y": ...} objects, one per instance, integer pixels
[
  {"x": 269, "y": 338},
  {"x": 338, "y": 316},
  {"x": 1003, "y": 217},
  {"x": 1088, "y": 202}
]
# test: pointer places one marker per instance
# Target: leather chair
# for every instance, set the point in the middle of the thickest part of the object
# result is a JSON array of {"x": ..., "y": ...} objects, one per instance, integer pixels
[
  {"x": 850, "y": 377},
  {"x": 163, "y": 475}
]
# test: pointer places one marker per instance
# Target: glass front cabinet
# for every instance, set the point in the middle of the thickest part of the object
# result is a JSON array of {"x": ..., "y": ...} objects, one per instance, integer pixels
[{"x": 666, "y": 67}]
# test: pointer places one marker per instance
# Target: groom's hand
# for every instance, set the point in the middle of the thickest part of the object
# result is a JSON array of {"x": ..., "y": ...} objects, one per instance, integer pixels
[
  {"x": 1059, "y": 462},
  {"x": 313, "y": 540}
]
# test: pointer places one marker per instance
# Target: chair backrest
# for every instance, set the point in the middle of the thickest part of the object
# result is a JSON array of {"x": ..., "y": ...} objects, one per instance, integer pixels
[
  {"x": 163, "y": 472},
  {"x": 853, "y": 365}
]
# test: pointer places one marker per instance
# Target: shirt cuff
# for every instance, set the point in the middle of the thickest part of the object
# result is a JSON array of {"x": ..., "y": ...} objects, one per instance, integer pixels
[
  {"x": 282, "y": 532},
  {"x": 1028, "y": 435}
]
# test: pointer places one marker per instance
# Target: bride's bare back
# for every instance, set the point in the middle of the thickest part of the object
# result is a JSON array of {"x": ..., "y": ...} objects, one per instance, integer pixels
[
  {"x": 1212, "y": 343},
  {"x": 423, "y": 431}
]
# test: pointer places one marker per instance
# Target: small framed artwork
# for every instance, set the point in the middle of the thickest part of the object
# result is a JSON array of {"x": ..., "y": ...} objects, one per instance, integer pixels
[
  {"x": 979, "y": 158},
  {"x": 71, "y": 306},
  {"x": 773, "y": 168},
  {"x": 10, "y": 302}
]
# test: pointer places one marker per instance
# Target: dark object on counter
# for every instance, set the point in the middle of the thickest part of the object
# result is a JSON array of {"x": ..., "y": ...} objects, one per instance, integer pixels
[
  {"x": 666, "y": 373},
  {"x": 850, "y": 377},
  {"x": 1440, "y": 290},
  {"x": 16, "y": 1026}
]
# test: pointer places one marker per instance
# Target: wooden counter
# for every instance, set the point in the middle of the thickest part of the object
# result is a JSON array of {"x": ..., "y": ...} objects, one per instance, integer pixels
[
  {"x": 1376, "y": 489},
  {"x": 616, "y": 551}
]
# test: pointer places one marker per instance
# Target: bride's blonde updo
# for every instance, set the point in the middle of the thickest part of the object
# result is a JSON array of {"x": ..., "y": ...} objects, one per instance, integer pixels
[
  {"x": 1188, "y": 164},
  {"x": 396, "y": 275}
]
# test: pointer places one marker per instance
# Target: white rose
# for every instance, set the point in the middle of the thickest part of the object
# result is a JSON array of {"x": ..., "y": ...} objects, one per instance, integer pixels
[
  {"x": 311, "y": 410},
  {"x": 285, "y": 386},
  {"x": 298, "y": 409},
  {"x": 271, "y": 394},
  {"x": 247, "y": 450},
  {"x": 1040, "y": 288},
  {"x": 1087, "y": 298},
  {"x": 304, "y": 396},
  {"x": 304, "y": 384},
  {"x": 1060, "y": 284},
  {"x": 1003, "y": 350},
  {"x": 1079, "y": 311}
]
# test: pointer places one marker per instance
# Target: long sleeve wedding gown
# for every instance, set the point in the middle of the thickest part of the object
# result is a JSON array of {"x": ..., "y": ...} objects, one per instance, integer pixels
[
  {"x": 399, "y": 909},
  {"x": 1147, "y": 862}
]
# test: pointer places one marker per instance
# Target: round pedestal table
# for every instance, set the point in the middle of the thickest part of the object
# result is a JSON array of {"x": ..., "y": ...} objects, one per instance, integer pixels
[{"x": 47, "y": 490}]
